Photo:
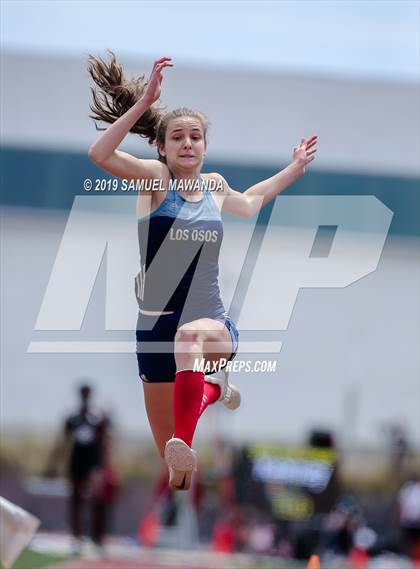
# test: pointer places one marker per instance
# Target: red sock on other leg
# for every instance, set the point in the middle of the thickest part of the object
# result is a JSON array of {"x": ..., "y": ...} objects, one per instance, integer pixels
[
  {"x": 211, "y": 395},
  {"x": 188, "y": 396}
]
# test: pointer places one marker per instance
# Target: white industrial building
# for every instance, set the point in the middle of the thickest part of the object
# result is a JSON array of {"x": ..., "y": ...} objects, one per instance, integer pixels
[{"x": 350, "y": 357}]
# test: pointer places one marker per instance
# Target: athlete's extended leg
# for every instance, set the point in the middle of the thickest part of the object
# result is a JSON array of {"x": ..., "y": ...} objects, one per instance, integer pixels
[{"x": 158, "y": 399}]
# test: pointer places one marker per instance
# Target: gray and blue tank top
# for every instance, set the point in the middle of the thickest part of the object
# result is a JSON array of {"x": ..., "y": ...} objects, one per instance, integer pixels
[{"x": 179, "y": 256}]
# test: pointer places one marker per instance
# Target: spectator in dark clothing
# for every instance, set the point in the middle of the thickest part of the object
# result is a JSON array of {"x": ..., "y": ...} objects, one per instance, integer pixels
[{"x": 92, "y": 479}]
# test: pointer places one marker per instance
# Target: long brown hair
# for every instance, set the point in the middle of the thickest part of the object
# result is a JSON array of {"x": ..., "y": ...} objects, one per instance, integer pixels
[{"x": 114, "y": 95}]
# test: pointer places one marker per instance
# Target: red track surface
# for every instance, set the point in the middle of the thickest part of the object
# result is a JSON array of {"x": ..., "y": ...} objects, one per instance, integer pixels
[{"x": 113, "y": 564}]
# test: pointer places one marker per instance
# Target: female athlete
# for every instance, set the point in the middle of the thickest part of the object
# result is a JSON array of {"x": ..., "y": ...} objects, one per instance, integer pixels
[{"x": 180, "y": 233}]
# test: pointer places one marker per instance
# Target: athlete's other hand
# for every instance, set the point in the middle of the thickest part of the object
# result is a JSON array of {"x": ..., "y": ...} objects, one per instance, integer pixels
[
  {"x": 152, "y": 92},
  {"x": 304, "y": 153}
]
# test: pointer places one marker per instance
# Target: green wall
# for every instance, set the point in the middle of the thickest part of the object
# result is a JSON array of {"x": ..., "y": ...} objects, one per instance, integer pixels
[{"x": 51, "y": 179}]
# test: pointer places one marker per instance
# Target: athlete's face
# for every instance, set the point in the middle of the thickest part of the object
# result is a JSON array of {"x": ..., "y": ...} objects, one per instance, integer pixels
[{"x": 185, "y": 145}]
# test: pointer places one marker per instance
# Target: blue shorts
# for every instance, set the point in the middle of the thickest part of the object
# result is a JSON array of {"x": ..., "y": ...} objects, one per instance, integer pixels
[{"x": 161, "y": 367}]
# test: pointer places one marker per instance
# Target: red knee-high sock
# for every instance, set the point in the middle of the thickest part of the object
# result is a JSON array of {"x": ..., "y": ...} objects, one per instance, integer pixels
[
  {"x": 211, "y": 395},
  {"x": 188, "y": 395}
]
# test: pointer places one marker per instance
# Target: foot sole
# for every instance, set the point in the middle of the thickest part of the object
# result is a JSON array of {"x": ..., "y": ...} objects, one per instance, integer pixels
[{"x": 181, "y": 461}]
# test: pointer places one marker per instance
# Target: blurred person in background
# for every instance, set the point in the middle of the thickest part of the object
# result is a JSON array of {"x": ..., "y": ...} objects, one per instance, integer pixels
[
  {"x": 341, "y": 524},
  {"x": 409, "y": 516},
  {"x": 194, "y": 319},
  {"x": 87, "y": 443}
]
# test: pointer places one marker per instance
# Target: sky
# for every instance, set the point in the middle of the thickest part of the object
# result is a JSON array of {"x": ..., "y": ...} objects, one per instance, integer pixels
[{"x": 376, "y": 39}]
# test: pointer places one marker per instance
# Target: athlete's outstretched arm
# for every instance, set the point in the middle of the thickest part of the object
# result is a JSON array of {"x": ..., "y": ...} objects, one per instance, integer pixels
[
  {"x": 250, "y": 202},
  {"x": 104, "y": 151}
]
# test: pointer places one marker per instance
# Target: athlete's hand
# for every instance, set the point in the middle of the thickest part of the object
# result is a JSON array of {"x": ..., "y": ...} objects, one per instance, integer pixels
[
  {"x": 152, "y": 92},
  {"x": 304, "y": 153}
]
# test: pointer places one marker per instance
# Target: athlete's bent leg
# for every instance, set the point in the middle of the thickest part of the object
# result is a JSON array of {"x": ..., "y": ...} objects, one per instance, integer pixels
[
  {"x": 192, "y": 340},
  {"x": 201, "y": 342},
  {"x": 204, "y": 338}
]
